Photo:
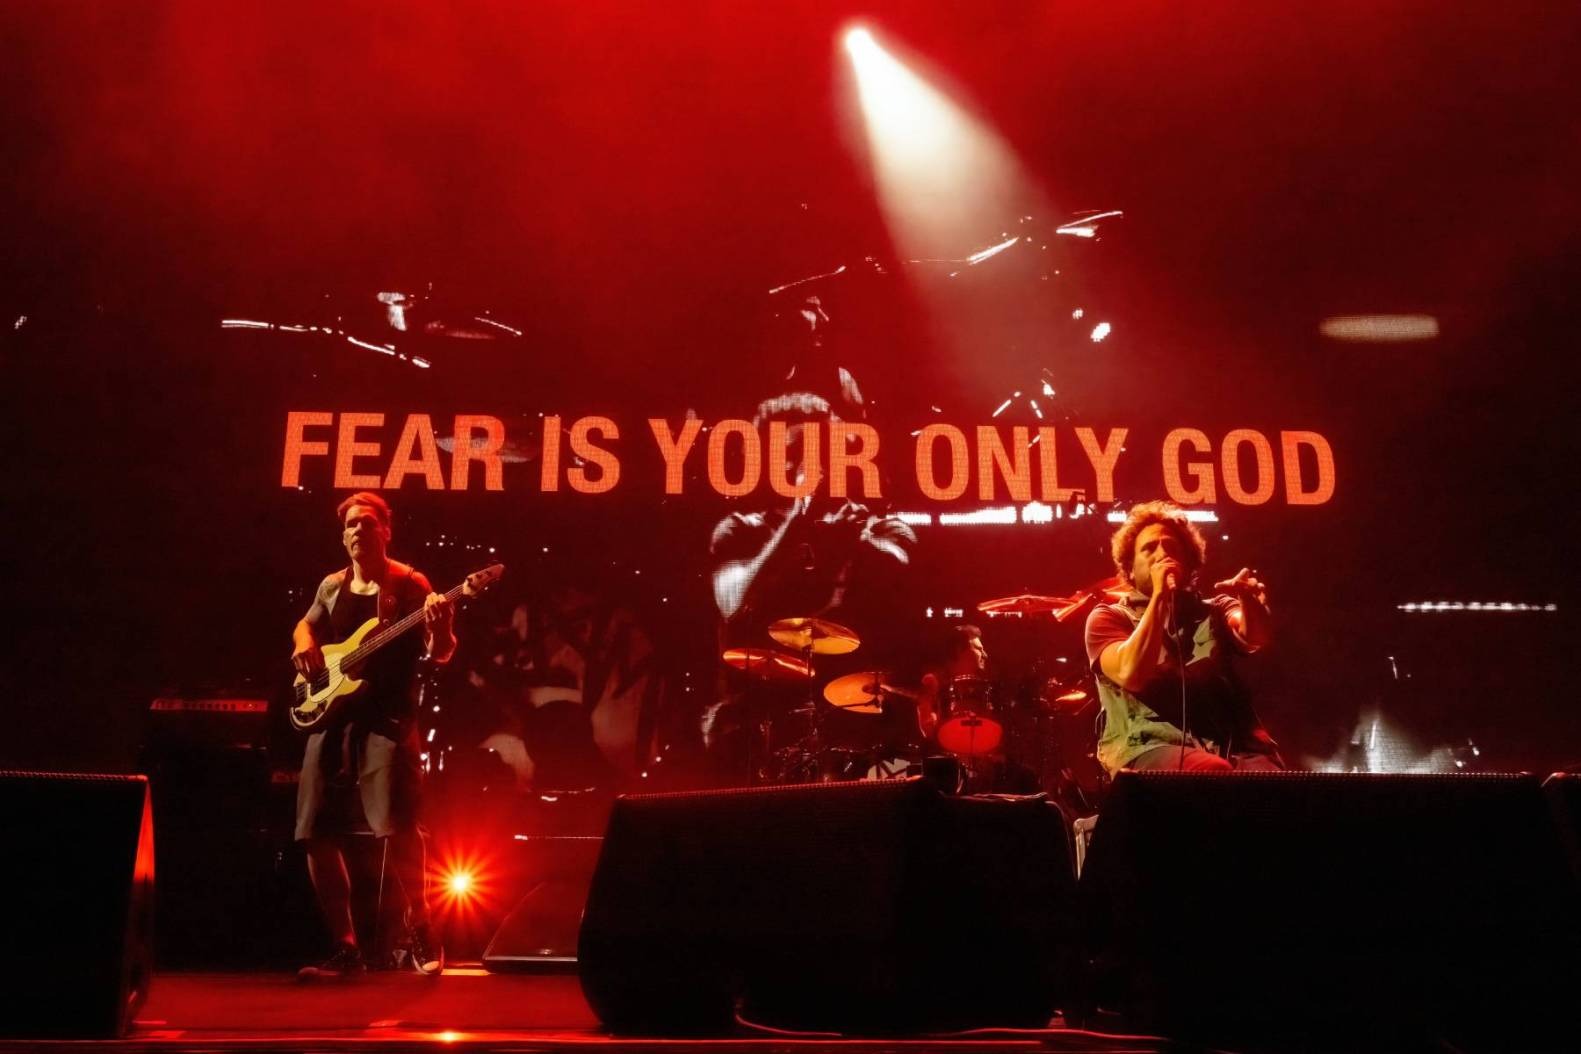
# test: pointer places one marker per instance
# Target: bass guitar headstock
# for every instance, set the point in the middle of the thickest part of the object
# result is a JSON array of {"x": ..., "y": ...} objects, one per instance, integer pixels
[{"x": 478, "y": 581}]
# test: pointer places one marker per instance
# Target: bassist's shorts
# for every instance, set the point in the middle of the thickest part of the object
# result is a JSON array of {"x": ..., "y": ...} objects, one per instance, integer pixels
[{"x": 355, "y": 779}]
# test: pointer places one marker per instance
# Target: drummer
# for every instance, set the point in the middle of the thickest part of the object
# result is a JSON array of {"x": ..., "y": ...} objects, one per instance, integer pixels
[
  {"x": 959, "y": 672},
  {"x": 962, "y": 655}
]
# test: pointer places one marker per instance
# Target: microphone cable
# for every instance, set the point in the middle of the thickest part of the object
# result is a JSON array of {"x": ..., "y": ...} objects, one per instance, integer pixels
[
  {"x": 1177, "y": 633},
  {"x": 1185, "y": 728}
]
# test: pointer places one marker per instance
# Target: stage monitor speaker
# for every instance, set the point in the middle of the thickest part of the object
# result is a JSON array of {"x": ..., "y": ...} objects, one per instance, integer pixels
[
  {"x": 1335, "y": 910},
  {"x": 78, "y": 892},
  {"x": 1564, "y": 796},
  {"x": 871, "y": 908},
  {"x": 540, "y": 933}
]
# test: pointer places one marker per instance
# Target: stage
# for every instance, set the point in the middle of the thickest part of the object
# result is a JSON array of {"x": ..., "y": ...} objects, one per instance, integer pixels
[{"x": 466, "y": 1008}]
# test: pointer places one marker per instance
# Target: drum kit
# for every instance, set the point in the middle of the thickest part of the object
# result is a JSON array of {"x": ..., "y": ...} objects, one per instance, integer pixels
[
  {"x": 802, "y": 642},
  {"x": 981, "y": 729}
]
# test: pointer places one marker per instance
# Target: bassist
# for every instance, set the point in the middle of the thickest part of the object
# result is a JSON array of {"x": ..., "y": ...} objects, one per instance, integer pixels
[{"x": 367, "y": 753}]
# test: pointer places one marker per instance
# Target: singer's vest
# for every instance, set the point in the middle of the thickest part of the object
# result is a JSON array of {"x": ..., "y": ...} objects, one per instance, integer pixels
[{"x": 1218, "y": 715}]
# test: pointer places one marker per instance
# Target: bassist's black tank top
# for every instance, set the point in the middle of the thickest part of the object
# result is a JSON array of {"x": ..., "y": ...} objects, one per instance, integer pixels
[{"x": 388, "y": 696}]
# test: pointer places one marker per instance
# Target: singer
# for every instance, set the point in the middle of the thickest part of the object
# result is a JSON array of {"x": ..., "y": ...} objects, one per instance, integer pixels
[{"x": 1164, "y": 657}]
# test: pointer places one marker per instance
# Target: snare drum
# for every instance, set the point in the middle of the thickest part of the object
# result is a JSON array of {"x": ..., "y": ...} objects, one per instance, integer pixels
[{"x": 971, "y": 725}]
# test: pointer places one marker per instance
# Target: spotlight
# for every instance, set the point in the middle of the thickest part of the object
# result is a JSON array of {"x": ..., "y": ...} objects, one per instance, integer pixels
[
  {"x": 943, "y": 176},
  {"x": 858, "y": 39},
  {"x": 459, "y": 883}
]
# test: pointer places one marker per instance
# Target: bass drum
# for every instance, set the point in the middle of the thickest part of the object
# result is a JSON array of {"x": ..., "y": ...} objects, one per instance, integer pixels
[
  {"x": 893, "y": 767},
  {"x": 971, "y": 724}
]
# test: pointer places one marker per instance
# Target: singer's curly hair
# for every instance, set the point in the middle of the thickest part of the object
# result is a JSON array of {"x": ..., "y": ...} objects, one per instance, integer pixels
[{"x": 1122, "y": 544}]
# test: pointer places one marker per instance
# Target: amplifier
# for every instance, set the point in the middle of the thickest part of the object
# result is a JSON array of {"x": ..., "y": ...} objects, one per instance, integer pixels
[
  {"x": 213, "y": 722},
  {"x": 209, "y": 706}
]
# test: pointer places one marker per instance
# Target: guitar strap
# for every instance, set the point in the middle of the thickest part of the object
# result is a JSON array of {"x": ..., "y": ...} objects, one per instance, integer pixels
[{"x": 397, "y": 582}]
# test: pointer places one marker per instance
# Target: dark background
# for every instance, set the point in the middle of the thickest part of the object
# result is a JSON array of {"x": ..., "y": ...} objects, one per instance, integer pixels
[{"x": 624, "y": 183}]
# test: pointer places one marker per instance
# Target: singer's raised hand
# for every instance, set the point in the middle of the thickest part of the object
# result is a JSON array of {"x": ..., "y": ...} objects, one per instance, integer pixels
[{"x": 1244, "y": 585}]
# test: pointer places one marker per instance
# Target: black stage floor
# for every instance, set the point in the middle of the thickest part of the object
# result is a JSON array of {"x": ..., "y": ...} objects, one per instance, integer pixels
[{"x": 465, "y": 1009}]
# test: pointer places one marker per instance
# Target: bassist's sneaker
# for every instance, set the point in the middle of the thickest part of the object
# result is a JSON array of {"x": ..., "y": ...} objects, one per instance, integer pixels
[
  {"x": 427, "y": 956},
  {"x": 345, "y": 962}
]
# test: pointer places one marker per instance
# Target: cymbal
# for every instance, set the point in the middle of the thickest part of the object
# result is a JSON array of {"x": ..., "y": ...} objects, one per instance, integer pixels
[
  {"x": 819, "y": 636},
  {"x": 1063, "y": 698},
  {"x": 1107, "y": 589},
  {"x": 1104, "y": 591},
  {"x": 767, "y": 663},
  {"x": 859, "y": 693},
  {"x": 1023, "y": 604}
]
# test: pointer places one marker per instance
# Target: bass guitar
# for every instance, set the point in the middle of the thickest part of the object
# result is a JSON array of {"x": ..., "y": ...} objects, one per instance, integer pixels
[{"x": 314, "y": 700}]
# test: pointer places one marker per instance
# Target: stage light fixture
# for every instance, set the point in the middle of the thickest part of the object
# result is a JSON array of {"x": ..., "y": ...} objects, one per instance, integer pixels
[
  {"x": 1194, "y": 515},
  {"x": 1379, "y": 329},
  {"x": 459, "y": 883}
]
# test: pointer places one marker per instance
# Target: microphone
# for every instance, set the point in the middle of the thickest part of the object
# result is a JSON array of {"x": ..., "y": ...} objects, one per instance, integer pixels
[{"x": 1177, "y": 617}]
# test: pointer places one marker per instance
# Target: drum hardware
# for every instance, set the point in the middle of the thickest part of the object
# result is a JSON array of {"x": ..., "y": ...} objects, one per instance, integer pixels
[
  {"x": 1056, "y": 735},
  {"x": 807, "y": 759},
  {"x": 945, "y": 772},
  {"x": 763, "y": 664}
]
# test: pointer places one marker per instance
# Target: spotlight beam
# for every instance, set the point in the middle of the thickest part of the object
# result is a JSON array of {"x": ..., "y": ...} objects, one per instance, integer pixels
[{"x": 943, "y": 177}]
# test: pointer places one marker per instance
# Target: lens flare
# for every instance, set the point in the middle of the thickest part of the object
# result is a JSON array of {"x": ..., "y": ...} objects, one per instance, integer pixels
[{"x": 466, "y": 883}]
